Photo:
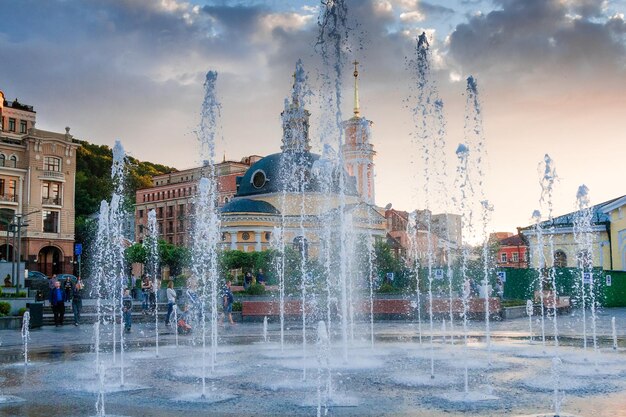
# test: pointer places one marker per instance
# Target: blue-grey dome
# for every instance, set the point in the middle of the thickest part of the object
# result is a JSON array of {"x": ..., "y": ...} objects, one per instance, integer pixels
[
  {"x": 245, "y": 205},
  {"x": 281, "y": 171}
]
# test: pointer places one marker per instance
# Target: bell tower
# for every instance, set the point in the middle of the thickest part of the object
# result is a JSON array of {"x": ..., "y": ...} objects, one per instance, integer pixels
[{"x": 358, "y": 152}]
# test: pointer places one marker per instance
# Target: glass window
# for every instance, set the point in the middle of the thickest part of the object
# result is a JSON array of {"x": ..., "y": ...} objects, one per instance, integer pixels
[
  {"x": 13, "y": 189},
  {"x": 50, "y": 221},
  {"x": 11, "y": 124},
  {"x": 2, "y": 159},
  {"x": 52, "y": 164},
  {"x": 22, "y": 126},
  {"x": 140, "y": 214},
  {"x": 1, "y": 186},
  {"x": 515, "y": 257},
  {"x": 503, "y": 257},
  {"x": 51, "y": 193},
  {"x": 13, "y": 161},
  {"x": 560, "y": 259}
]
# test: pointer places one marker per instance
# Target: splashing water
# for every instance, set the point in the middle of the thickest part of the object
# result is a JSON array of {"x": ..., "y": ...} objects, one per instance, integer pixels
[
  {"x": 26, "y": 334},
  {"x": 206, "y": 234},
  {"x": 152, "y": 249},
  {"x": 583, "y": 235}
]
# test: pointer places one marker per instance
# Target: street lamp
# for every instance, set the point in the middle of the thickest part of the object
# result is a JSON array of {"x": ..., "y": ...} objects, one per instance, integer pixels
[{"x": 18, "y": 223}]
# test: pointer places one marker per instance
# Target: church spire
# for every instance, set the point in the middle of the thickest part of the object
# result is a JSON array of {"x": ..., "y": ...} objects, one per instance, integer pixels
[{"x": 357, "y": 110}]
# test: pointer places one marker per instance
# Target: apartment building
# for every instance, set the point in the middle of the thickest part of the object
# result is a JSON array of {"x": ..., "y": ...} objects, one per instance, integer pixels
[
  {"x": 37, "y": 173},
  {"x": 172, "y": 197}
]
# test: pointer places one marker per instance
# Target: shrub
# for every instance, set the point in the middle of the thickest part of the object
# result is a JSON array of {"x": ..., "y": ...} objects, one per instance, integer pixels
[
  {"x": 237, "y": 306},
  {"x": 388, "y": 288},
  {"x": 21, "y": 311},
  {"x": 5, "y": 308},
  {"x": 256, "y": 289},
  {"x": 513, "y": 303}
]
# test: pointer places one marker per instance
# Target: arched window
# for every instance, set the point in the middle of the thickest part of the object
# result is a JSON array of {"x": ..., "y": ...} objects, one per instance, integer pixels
[
  {"x": 2, "y": 159},
  {"x": 13, "y": 161},
  {"x": 560, "y": 259}
]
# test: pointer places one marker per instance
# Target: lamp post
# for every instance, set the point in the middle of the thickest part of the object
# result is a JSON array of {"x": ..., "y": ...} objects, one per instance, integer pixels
[{"x": 18, "y": 223}]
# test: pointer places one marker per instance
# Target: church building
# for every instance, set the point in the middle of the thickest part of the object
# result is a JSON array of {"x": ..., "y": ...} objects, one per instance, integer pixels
[{"x": 302, "y": 191}]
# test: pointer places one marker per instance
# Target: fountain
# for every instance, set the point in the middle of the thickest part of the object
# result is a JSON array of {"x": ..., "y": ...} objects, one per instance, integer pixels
[{"x": 335, "y": 345}]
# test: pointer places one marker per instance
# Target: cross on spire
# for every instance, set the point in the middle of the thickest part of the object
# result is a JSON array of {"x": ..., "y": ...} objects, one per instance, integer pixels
[{"x": 357, "y": 110}]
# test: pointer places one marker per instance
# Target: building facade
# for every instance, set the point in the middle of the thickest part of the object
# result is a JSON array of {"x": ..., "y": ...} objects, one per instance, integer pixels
[
  {"x": 553, "y": 242},
  {"x": 616, "y": 211},
  {"x": 172, "y": 197},
  {"x": 37, "y": 176},
  {"x": 512, "y": 251}
]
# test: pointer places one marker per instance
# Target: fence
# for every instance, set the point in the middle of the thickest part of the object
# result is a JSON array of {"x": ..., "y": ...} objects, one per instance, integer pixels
[{"x": 609, "y": 292}]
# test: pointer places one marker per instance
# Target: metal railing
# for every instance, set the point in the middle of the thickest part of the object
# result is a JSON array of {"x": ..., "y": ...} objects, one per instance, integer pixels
[{"x": 55, "y": 201}]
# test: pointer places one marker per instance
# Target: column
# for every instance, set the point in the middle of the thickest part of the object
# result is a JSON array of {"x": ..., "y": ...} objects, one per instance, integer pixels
[
  {"x": 257, "y": 236},
  {"x": 233, "y": 240}
]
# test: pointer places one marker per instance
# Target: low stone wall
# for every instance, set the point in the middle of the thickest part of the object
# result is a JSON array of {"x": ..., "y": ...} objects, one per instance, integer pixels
[
  {"x": 516, "y": 312},
  {"x": 11, "y": 323}
]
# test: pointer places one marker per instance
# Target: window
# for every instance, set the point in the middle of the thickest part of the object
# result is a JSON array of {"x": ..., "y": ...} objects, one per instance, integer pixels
[
  {"x": 13, "y": 188},
  {"x": 160, "y": 212},
  {"x": 1, "y": 186},
  {"x": 245, "y": 236},
  {"x": 50, "y": 221},
  {"x": 11, "y": 124},
  {"x": 258, "y": 179},
  {"x": 503, "y": 257},
  {"x": 141, "y": 214},
  {"x": 141, "y": 228},
  {"x": 515, "y": 257},
  {"x": 51, "y": 163},
  {"x": 22, "y": 126},
  {"x": 13, "y": 161},
  {"x": 2, "y": 159},
  {"x": 560, "y": 259},
  {"x": 51, "y": 193},
  {"x": 170, "y": 211}
]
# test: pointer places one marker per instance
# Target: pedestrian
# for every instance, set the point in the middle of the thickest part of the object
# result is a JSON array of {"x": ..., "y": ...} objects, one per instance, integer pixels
[
  {"x": 247, "y": 280},
  {"x": 183, "y": 325},
  {"x": 127, "y": 309},
  {"x": 68, "y": 287},
  {"x": 228, "y": 303},
  {"x": 133, "y": 287},
  {"x": 51, "y": 283},
  {"x": 77, "y": 301},
  {"x": 171, "y": 300},
  {"x": 260, "y": 277},
  {"x": 57, "y": 301},
  {"x": 146, "y": 285}
]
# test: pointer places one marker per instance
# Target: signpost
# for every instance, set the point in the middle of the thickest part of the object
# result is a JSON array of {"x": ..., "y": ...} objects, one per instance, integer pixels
[{"x": 78, "y": 251}]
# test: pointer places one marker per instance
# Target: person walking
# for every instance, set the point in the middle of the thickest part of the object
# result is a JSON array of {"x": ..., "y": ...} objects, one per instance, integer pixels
[
  {"x": 77, "y": 301},
  {"x": 57, "y": 301},
  {"x": 146, "y": 285},
  {"x": 127, "y": 309},
  {"x": 228, "y": 303},
  {"x": 51, "y": 283},
  {"x": 171, "y": 300},
  {"x": 68, "y": 287}
]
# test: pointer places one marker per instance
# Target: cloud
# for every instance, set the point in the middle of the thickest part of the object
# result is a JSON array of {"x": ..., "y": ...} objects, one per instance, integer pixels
[{"x": 534, "y": 39}]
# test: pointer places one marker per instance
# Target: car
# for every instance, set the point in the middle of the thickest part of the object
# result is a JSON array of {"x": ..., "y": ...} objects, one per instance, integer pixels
[
  {"x": 36, "y": 275},
  {"x": 62, "y": 277}
]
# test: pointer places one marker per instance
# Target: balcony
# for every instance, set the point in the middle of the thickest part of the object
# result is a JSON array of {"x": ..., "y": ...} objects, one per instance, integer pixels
[
  {"x": 52, "y": 175},
  {"x": 51, "y": 201},
  {"x": 8, "y": 198}
]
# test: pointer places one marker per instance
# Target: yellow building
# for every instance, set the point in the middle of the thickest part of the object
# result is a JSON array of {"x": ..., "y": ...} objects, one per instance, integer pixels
[
  {"x": 560, "y": 247},
  {"x": 616, "y": 210}
]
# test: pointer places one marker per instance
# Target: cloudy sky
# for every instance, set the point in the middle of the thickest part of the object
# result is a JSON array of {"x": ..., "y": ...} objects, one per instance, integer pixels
[{"x": 551, "y": 73}]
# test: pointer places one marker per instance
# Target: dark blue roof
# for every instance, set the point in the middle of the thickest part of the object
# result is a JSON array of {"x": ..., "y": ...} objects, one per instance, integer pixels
[
  {"x": 567, "y": 220},
  {"x": 284, "y": 171},
  {"x": 245, "y": 205}
]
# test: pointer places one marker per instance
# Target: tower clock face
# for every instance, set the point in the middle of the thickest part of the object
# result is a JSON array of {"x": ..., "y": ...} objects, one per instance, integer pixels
[{"x": 259, "y": 179}]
